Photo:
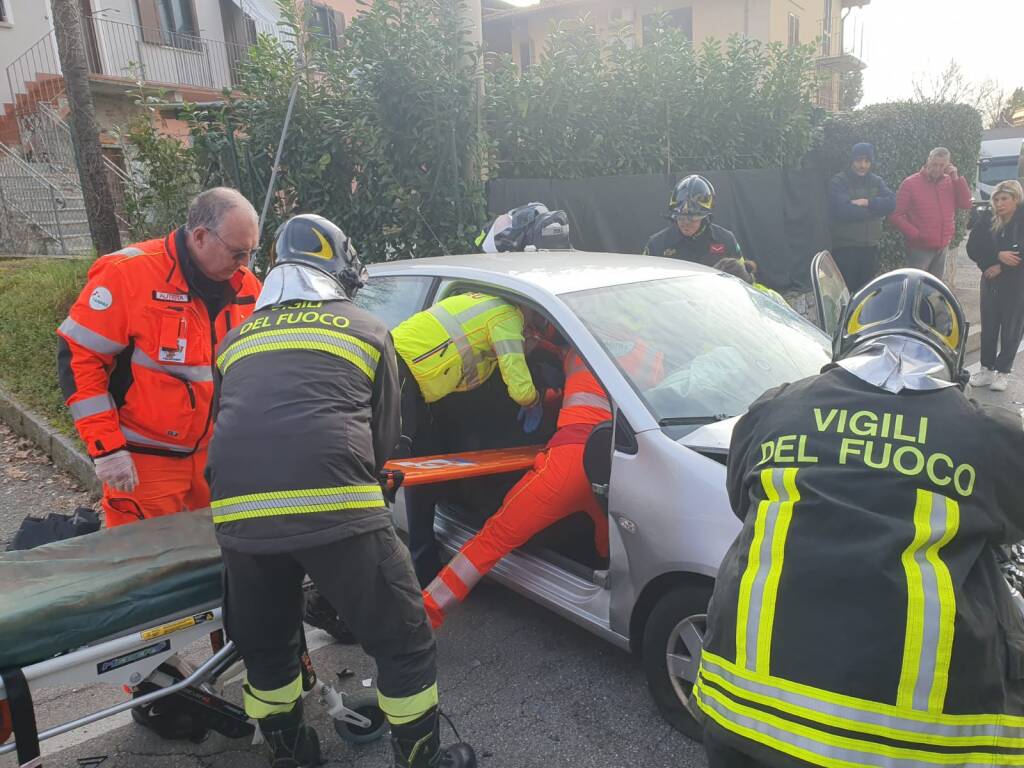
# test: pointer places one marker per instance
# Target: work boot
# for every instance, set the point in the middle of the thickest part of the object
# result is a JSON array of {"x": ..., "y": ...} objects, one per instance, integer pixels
[
  {"x": 292, "y": 743},
  {"x": 418, "y": 745}
]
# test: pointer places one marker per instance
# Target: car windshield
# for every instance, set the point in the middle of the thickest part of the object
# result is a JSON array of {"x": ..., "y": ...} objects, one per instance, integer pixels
[{"x": 719, "y": 344}]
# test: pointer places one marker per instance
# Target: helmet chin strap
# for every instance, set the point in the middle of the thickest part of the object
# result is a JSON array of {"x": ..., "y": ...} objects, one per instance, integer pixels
[
  {"x": 896, "y": 363},
  {"x": 297, "y": 282}
]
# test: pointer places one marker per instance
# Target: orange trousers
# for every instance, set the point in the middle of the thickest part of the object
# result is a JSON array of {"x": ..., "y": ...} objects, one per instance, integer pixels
[
  {"x": 555, "y": 488},
  {"x": 166, "y": 486}
]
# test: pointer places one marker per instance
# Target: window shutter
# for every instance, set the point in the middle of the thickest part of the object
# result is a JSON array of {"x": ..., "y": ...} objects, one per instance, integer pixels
[
  {"x": 149, "y": 19},
  {"x": 338, "y": 33}
]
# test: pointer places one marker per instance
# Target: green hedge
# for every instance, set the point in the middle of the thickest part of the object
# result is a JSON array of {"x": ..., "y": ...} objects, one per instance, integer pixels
[
  {"x": 590, "y": 107},
  {"x": 903, "y": 133}
]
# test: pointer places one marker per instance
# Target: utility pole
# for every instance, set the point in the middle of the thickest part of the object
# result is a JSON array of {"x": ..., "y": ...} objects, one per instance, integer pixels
[
  {"x": 470, "y": 19},
  {"x": 85, "y": 133}
]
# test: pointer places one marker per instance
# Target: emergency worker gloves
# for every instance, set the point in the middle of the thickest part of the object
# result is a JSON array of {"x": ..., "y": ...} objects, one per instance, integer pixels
[
  {"x": 530, "y": 417},
  {"x": 117, "y": 470}
]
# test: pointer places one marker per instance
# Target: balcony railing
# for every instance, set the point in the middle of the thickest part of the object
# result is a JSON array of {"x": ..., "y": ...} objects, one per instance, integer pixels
[
  {"x": 131, "y": 52},
  {"x": 841, "y": 37},
  {"x": 127, "y": 53}
]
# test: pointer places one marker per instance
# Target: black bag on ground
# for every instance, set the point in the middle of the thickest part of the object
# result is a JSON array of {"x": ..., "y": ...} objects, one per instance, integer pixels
[{"x": 36, "y": 531}]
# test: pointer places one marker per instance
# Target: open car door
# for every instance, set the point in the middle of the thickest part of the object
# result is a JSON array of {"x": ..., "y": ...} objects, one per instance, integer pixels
[{"x": 830, "y": 292}]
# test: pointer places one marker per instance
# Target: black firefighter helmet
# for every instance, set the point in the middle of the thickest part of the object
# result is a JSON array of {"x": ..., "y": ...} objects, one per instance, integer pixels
[
  {"x": 316, "y": 242},
  {"x": 693, "y": 197},
  {"x": 907, "y": 303}
]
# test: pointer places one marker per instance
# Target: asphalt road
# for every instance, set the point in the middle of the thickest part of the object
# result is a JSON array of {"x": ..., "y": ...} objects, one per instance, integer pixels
[{"x": 526, "y": 688}]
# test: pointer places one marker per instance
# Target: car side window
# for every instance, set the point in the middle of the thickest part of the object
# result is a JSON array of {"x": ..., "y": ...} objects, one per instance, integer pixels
[{"x": 393, "y": 298}]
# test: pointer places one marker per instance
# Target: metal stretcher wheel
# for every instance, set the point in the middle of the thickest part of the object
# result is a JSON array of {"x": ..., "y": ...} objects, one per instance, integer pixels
[{"x": 363, "y": 703}]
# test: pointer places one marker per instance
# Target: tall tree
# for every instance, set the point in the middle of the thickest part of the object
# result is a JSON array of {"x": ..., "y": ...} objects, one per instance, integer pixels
[{"x": 99, "y": 203}]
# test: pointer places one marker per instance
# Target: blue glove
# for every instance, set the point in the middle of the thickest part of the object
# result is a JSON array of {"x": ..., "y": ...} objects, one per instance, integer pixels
[{"x": 530, "y": 417}]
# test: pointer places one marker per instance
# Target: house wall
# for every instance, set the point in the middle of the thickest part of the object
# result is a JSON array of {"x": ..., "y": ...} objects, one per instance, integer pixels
[{"x": 30, "y": 21}]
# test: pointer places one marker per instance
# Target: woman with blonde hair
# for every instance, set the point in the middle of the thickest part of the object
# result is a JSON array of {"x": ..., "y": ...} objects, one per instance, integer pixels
[{"x": 995, "y": 245}]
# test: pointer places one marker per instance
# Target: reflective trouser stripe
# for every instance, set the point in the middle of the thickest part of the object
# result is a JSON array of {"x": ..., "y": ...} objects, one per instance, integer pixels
[
  {"x": 91, "y": 406},
  {"x": 259, "y": 704},
  {"x": 441, "y": 594},
  {"x": 760, "y": 583},
  {"x": 931, "y": 605},
  {"x": 405, "y": 709},
  {"x": 825, "y": 748},
  {"x": 309, "y": 500},
  {"x": 356, "y": 351},
  {"x": 859, "y": 715},
  {"x": 467, "y": 572},
  {"x": 88, "y": 338}
]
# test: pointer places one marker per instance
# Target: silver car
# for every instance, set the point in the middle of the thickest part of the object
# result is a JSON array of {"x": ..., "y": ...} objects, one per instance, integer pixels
[{"x": 660, "y": 468}]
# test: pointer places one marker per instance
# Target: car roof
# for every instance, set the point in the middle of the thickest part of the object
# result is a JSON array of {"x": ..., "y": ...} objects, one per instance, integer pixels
[{"x": 556, "y": 272}]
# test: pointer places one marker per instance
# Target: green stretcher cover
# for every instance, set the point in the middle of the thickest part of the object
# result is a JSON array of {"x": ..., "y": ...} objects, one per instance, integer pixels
[{"x": 64, "y": 595}]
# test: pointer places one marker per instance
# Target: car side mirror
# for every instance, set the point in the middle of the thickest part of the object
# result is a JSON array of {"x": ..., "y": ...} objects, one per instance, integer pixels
[{"x": 830, "y": 292}]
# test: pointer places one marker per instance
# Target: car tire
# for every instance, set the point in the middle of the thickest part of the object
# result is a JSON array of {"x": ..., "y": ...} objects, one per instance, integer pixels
[{"x": 675, "y": 625}]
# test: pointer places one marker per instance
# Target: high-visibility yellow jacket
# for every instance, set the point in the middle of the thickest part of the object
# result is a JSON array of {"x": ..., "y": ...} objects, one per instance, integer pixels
[{"x": 455, "y": 346}]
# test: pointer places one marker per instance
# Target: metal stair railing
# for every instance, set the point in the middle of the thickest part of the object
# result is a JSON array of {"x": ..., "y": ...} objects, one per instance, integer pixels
[{"x": 25, "y": 183}]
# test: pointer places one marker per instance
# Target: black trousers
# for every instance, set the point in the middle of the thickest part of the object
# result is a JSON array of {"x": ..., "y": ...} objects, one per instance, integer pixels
[
  {"x": 857, "y": 263},
  {"x": 418, "y": 439},
  {"x": 1002, "y": 321},
  {"x": 369, "y": 582}
]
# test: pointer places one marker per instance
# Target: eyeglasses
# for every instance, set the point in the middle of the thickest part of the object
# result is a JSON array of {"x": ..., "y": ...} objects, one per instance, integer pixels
[{"x": 236, "y": 254}]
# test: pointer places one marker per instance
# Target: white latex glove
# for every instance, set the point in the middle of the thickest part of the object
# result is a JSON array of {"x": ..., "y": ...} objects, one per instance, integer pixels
[{"x": 117, "y": 470}]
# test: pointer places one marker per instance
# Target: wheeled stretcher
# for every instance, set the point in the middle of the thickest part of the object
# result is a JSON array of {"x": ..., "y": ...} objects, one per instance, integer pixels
[{"x": 114, "y": 606}]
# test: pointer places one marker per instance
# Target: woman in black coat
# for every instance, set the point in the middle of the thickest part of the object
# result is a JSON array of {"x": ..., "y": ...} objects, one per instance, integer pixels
[{"x": 995, "y": 245}]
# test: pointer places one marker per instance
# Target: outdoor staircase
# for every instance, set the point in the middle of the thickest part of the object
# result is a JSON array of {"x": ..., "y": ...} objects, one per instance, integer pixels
[{"x": 48, "y": 203}]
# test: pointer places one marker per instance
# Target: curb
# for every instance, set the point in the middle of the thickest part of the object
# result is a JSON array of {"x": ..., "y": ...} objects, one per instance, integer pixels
[{"x": 61, "y": 450}]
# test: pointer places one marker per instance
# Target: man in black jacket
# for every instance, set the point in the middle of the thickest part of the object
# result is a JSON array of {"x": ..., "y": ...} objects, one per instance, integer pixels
[
  {"x": 308, "y": 415},
  {"x": 859, "y": 201},
  {"x": 861, "y": 617}
]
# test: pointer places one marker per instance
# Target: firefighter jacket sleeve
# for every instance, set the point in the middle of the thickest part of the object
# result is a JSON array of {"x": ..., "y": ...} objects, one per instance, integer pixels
[
  {"x": 91, "y": 337},
  {"x": 1005, "y": 439},
  {"x": 386, "y": 422},
  {"x": 506, "y": 333}
]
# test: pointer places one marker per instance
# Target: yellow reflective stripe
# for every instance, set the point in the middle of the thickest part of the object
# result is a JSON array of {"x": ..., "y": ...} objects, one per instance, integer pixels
[
  {"x": 260, "y": 704},
  {"x": 829, "y": 749},
  {"x": 364, "y": 356},
  {"x": 853, "y": 721},
  {"x": 947, "y": 609},
  {"x": 759, "y": 585},
  {"x": 747, "y": 581},
  {"x": 405, "y": 709},
  {"x": 931, "y": 605},
  {"x": 312, "y": 500},
  {"x": 866, "y": 710},
  {"x": 778, "y": 546}
]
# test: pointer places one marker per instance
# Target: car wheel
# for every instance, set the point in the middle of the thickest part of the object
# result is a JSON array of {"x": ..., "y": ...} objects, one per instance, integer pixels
[{"x": 673, "y": 637}]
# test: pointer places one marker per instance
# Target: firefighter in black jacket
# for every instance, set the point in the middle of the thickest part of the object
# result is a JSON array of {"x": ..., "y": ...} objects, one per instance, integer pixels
[
  {"x": 692, "y": 236},
  {"x": 860, "y": 618},
  {"x": 308, "y": 414}
]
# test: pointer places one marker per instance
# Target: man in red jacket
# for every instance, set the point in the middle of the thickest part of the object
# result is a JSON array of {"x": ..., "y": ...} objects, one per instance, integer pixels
[
  {"x": 136, "y": 355},
  {"x": 925, "y": 209}
]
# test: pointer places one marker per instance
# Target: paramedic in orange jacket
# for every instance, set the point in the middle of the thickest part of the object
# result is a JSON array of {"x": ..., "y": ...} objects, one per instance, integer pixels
[
  {"x": 136, "y": 353},
  {"x": 555, "y": 488}
]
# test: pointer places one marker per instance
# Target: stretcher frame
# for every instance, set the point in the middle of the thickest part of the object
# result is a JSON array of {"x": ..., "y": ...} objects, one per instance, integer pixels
[{"x": 132, "y": 657}]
